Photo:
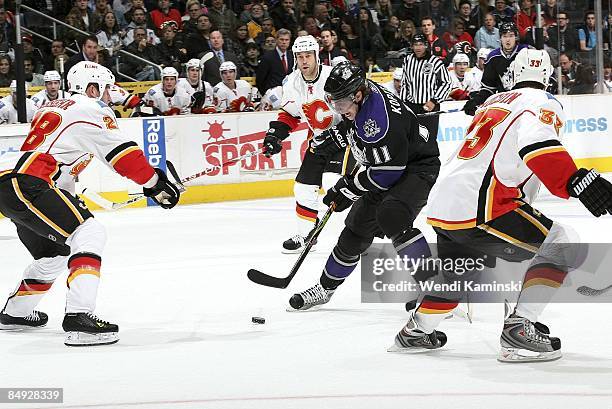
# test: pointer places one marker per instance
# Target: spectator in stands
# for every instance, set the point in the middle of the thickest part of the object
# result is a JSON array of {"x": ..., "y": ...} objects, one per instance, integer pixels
[
  {"x": 348, "y": 34},
  {"x": 487, "y": 36},
  {"x": 309, "y": 23},
  {"x": 525, "y": 18},
  {"x": 503, "y": 13},
  {"x": 585, "y": 80},
  {"x": 7, "y": 32},
  {"x": 81, "y": 17},
  {"x": 240, "y": 40},
  {"x": 32, "y": 78},
  {"x": 587, "y": 37},
  {"x": 143, "y": 49},
  {"x": 29, "y": 51},
  {"x": 568, "y": 71},
  {"x": 110, "y": 37},
  {"x": 328, "y": 49},
  {"x": 6, "y": 71},
  {"x": 269, "y": 44},
  {"x": 251, "y": 61},
  {"x": 57, "y": 48},
  {"x": 384, "y": 11},
  {"x": 222, "y": 18},
  {"x": 101, "y": 8},
  {"x": 562, "y": 38},
  {"x": 171, "y": 52},
  {"x": 275, "y": 64},
  {"x": 437, "y": 46},
  {"x": 165, "y": 13},
  {"x": 190, "y": 19},
  {"x": 470, "y": 22},
  {"x": 211, "y": 67},
  {"x": 391, "y": 32},
  {"x": 404, "y": 42},
  {"x": 549, "y": 12},
  {"x": 408, "y": 10},
  {"x": 321, "y": 16},
  {"x": 284, "y": 16},
  {"x": 136, "y": 4},
  {"x": 530, "y": 33},
  {"x": 608, "y": 76},
  {"x": 139, "y": 19},
  {"x": 198, "y": 43},
  {"x": 457, "y": 34},
  {"x": 89, "y": 52},
  {"x": 257, "y": 16},
  {"x": 440, "y": 14},
  {"x": 267, "y": 30}
]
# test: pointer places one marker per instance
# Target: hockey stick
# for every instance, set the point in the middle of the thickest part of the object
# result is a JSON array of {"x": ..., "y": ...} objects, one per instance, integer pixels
[
  {"x": 260, "y": 278},
  {"x": 592, "y": 292},
  {"x": 426, "y": 114},
  {"x": 108, "y": 205}
]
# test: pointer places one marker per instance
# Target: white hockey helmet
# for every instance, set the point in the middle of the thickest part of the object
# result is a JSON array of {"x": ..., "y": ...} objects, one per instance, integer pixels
[
  {"x": 52, "y": 76},
  {"x": 397, "y": 74},
  {"x": 460, "y": 57},
  {"x": 13, "y": 86},
  {"x": 337, "y": 60},
  {"x": 305, "y": 43},
  {"x": 169, "y": 72},
  {"x": 193, "y": 63},
  {"x": 483, "y": 53},
  {"x": 84, "y": 73},
  {"x": 531, "y": 65},
  {"x": 227, "y": 66}
]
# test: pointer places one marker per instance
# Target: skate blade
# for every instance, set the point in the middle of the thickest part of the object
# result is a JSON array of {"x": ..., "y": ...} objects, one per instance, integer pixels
[
  {"x": 410, "y": 350},
  {"x": 516, "y": 355},
  {"x": 84, "y": 339},
  {"x": 311, "y": 309},
  {"x": 15, "y": 327},
  {"x": 298, "y": 251}
]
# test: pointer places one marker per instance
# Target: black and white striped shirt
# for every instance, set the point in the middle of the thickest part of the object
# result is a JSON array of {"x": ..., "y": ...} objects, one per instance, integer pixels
[{"x": 424, "y": 79}]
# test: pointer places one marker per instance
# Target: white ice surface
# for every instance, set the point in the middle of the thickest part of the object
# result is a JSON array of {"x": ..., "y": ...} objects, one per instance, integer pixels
[{"x": 175, "y": 281}]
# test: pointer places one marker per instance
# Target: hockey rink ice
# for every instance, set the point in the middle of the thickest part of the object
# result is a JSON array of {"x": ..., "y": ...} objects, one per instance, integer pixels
[{"x": 175, "y": 282}]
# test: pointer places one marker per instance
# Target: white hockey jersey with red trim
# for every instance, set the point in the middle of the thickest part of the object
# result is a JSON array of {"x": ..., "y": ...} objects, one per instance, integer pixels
[
  {"x": 223, "y": 95},
  {"x": 8, "y": 112},
  {"x": 179, "y": 100},
  {"x": 513, "y": 136},
  {"x": 305, "y": 101},
  {"x": 41, "y": 97},
  {"x": 474, "y": 79},
  {"x": 201, "y": 86},
  {"x": 66, "y": 134},
  {"x": 120, "y": 96}
]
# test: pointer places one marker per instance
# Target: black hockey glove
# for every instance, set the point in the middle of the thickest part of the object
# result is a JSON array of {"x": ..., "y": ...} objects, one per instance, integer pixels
[
  {"x": 470, "y": 107},
  {"x": 592, "y": 190},
  {"x": 329, "y": 142},
  {"x": 343, "y": 194},
  {"x": 197, "y": 99},
  {"x": 164, "y": 193},
  {"x": 278, "y": 132}
]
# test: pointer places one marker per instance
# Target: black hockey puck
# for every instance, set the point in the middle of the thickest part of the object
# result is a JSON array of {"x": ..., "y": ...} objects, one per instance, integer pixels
[{"x": 258, "y": 320}]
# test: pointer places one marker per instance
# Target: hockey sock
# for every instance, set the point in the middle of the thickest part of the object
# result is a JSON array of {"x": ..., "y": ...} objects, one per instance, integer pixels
[
  {"x": 337, "y": 268},
  {"x": 411, "y": 246},
  {"x": 83, "y": 282},
  {"x": 37, "y": 279},
  {"x": 306, "y": 206},
  {"x": 432, "y": 311},
  {"x": 539, "y": 286}
]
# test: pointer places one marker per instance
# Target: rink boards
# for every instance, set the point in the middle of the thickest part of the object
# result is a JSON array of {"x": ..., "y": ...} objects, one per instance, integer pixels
[{"x": 196, "y": 142}]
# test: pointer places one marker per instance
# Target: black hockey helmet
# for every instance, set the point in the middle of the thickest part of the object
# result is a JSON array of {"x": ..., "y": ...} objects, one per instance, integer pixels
[
  {"x": 508, "y": 27},
  {"x": 344, "y": 80}
]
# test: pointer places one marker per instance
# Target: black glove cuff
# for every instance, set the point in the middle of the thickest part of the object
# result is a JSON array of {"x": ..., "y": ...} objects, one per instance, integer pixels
[{"x": 279, "y": 129}]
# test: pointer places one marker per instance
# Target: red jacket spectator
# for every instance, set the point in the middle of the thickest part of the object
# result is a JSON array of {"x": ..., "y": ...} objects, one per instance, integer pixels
[
  {"x": 525, "y": 18},
  {"x": 165, "y": 13},
  {"x": 457, "y": 34}
]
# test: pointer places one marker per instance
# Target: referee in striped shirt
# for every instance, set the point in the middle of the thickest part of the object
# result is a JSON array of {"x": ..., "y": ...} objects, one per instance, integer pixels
[{"x": 425, "y": 83}]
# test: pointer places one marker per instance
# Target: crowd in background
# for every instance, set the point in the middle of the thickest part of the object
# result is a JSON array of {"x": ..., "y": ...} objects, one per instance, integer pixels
[{"x": 375, "y": 33}]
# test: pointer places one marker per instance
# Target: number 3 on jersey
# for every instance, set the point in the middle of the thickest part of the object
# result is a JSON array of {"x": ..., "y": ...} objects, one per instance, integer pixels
[
  {"x": 480, "y": 131},
  {"x": 43, "y": 125}
]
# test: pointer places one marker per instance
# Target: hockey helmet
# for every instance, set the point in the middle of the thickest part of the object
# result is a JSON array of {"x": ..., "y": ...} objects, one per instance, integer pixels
[
  {"x": 397, "y": 74},
  {"x": 508, "y": 27},
  {"x": 84, "y": 73},
  {"x": 169, "y": 72},
  {"x": 483, "y": 53},
  {"x": 306, "y": 43},
  {"x": 531, "y": 65},
  {"x": 342, "y": 84},
  {"x": 13, "y": 86},
  {"x": 460, "y": 57},
  {"x": 228, "y": 66},
  {"x": 419, "y": 38},
  {"x": 52, "y": 76},
  {"x": 337, "y": 60},
  {"x": 193, "y": 63}
]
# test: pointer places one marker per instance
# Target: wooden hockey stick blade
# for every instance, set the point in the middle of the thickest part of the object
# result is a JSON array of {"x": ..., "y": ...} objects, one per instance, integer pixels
[
  {"x": 206, "y": 57},
  {"x": 97, "y": 199},
  {"x": 592, "y": 292}
]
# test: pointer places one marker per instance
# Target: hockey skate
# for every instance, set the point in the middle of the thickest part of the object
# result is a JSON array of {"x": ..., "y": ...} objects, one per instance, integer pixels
[
  {"x": 412, "y": 339},
  {"x": 312, "y": 297},
  {"x": 36, "y": 319},
  {"x": 524, "y": 341},
  {"x": 85, "y": 329},
  {"x": 296, "y": 243}
]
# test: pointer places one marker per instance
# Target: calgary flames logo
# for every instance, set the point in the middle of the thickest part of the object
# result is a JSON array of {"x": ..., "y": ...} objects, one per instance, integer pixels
[
  {"x": 79, "y": 167},
  {"x": 110, "y": 122},
  {"x": 318, "y": 114}
]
